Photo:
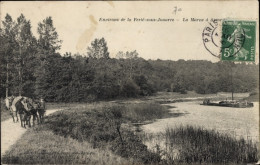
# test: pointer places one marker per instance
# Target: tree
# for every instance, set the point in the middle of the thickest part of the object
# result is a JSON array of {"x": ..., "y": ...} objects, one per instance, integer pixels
[
  {"x": 17, "y": 47},
  {"x": 120, "y": 55},
  {"x": 131, "y": 58},
  {"x": 98, "y": 49},
  {"x": 48, "y": 44},
  {"x": 24, "y": 39},
  {"x": 48, "y": 37},
  {"x": 7, "y": 40}
]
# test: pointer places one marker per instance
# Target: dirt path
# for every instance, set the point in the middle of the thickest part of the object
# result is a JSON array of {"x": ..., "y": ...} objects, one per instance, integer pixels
[{"x": 11, "y": 132}]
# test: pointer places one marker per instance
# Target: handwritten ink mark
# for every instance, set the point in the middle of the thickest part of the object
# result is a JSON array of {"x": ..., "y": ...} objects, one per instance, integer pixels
[{"x": 176, "y": 10}]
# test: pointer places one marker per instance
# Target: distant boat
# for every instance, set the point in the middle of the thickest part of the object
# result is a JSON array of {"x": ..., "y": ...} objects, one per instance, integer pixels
[{"x": 229, "y": 103}]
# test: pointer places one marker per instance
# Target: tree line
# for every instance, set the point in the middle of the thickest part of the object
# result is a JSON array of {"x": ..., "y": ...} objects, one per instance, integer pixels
[{"x": 31, "y": 66}]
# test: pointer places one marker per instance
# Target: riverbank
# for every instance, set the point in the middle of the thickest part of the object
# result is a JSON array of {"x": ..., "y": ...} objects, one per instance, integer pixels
[
  {"x": 109, "y": 126},
  {"x": 172, "y": 97}
]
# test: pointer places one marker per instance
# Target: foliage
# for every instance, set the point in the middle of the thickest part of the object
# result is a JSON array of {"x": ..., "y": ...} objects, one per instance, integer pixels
[
  {"x": 102, "y": 127},
  {"x": 48, "y": 39},
  {"x": 32, "y": 67},
  {"x": 198, "y": 145},
  {"x": 98, "y": 49}
]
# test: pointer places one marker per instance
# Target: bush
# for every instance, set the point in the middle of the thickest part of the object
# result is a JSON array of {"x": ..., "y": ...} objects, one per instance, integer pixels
[
  {"x": 146, "y": 88},
  {"x": 132, "y": 147},
  {"x": 253, "y": 93},
  {"x": 183, "y": 91},
  {"x": 130, "y": 89},
  {"x": 101, "y": 127}
]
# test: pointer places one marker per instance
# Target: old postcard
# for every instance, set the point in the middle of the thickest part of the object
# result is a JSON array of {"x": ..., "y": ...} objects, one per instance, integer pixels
[{"x": 129, "y": 82}]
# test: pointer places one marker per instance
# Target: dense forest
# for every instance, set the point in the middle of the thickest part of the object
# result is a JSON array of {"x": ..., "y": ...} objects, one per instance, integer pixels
[{"x": 31, "y": 66}]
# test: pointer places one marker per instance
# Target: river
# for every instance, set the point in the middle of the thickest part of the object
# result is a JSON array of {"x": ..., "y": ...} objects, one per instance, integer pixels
[{"x": 237, "y": 122}]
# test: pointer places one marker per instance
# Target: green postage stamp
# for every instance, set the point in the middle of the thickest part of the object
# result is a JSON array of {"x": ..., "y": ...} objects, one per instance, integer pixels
[{"x": 238, "y": 40}]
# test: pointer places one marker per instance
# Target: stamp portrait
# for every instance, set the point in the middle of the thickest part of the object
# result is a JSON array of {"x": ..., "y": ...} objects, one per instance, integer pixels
[{"x": 238, "y": 40}]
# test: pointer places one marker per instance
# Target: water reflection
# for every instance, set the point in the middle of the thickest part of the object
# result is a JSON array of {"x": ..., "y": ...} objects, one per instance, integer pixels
[{"x": 237, "y": 122}]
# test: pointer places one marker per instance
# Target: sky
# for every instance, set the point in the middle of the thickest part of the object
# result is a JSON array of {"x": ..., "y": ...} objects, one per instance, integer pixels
[{"x": 78, "y": 23}]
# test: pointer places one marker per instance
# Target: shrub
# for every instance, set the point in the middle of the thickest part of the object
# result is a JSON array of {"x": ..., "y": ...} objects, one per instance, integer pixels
[
  {"x": 130, "y": 89},
  {"x": 198, "y": 145},
  {"x": 132, "y": 147},
  {"x": 101, "y": 127}
]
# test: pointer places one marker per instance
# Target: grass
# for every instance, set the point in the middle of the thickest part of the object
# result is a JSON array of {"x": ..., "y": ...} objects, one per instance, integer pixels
[
  {"x": 177, "y": 95},
  {"x": 142, "y": 112},
  {"x": 131, "y": 111},
  {"x": 253, "y": 97},
  {"x": 196, "y": 145},
  {"x": 100, "y": 133},
  {"x": 101, "y": 126},
  {"x": 41, "y": 146},
  {"x": 85, "y": 134},
  {"x": 171, "y": 97}
]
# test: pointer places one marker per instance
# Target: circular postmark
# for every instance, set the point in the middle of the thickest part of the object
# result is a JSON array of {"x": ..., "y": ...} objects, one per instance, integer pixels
[{"x": 223, "y": 38}]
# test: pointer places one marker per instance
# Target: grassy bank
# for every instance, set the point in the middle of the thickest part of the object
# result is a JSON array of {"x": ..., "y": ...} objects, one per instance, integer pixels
[
  {"x": 103, "y": 127},
  {"x": 42, "y": 146},
  {"x": 196, "y": 145},
  {"x": 131, "y": 108},
  {"x": 172, "y": 97},
  {"x": 102, "y": 134},
  {"x": 253, "y": 97}
]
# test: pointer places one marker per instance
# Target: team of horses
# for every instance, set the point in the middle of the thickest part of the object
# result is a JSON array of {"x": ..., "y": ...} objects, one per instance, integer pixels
[{"x": 25, "y": 108}]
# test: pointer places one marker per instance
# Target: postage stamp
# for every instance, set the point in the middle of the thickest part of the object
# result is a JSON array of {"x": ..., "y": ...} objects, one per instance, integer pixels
[
  {"x": 238, "y": 40},
  {"x": 231, "y": 40}
]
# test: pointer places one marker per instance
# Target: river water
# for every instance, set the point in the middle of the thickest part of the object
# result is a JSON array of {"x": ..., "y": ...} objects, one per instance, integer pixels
[{"x": 237, "y": 122}]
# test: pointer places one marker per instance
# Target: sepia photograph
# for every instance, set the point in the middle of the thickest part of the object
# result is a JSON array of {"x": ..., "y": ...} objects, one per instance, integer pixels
[{"x": 129, "y": 82}]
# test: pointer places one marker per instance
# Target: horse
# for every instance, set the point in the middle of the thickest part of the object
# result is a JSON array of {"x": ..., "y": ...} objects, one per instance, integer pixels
[
  {"x": 39, "y": 105},
  {"x": 31, "y": 110},
  {"x": 34, "y": 111},
  {"x": 13, "y": 109},
  {"x": 23, "y": 106},
  {"x": 8, "y": 103},
  {"x": 24, "y": 113}
]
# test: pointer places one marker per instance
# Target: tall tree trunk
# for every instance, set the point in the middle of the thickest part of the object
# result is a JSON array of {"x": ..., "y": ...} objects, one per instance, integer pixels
[
  {"x": 7, "y": 79},
  {"x": 131, "y": 68},
  {"x": 20, "y": 85},
  {"x": 19, "y": 73}
]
